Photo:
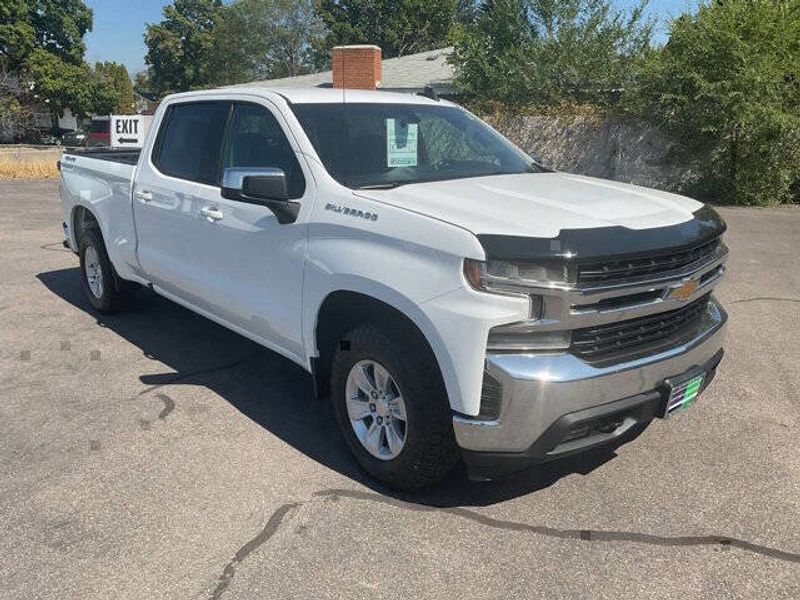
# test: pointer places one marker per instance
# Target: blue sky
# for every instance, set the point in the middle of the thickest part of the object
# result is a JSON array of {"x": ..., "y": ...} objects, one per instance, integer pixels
[{"x": 119, "y": 26}]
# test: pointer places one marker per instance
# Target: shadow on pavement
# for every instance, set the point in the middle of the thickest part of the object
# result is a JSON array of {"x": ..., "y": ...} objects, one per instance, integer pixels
[{"x": 278, "y": 395}]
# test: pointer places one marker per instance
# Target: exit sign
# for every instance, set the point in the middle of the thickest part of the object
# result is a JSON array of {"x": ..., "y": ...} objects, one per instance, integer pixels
[{"x": 128, "y": 131}]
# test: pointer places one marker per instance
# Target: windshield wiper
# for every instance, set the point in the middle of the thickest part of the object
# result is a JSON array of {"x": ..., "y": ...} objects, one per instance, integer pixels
[
  {"x": 383, "y": 186},
  {"x": 389, "y": 185}
]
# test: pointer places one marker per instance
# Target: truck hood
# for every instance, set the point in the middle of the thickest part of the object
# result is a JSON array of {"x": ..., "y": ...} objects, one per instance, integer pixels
[{"x": 539, "y": 205}]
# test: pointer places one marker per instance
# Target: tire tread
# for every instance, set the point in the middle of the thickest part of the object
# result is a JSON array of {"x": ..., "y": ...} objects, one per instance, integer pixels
[{"x": 437, "y": 452}]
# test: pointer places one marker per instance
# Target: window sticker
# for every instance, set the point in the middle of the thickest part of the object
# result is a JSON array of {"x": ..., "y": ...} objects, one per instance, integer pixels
[{"x": 401, "y": 143}]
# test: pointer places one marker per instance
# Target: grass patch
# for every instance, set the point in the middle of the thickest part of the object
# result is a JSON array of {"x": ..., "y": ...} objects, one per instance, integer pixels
[{"x": 35, "y": 169}]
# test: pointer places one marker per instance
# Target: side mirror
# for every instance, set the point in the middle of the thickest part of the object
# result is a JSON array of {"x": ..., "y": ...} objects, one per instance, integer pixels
[{"x": 263, "y": 186}]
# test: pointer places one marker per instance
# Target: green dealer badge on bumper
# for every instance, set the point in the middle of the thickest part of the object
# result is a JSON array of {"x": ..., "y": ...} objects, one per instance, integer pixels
[{"x": 683, "y": 394}]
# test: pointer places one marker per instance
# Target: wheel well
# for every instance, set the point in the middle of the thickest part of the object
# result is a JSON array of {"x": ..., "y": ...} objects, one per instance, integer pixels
[
  {"x": 83, "y": 219},
  {"x": 341, "y": 312}
]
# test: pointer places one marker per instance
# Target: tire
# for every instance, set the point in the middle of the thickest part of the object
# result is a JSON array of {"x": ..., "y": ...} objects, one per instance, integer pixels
[
  {"x": 428, "y": 451},
  {"x": 106, "y": 291}
]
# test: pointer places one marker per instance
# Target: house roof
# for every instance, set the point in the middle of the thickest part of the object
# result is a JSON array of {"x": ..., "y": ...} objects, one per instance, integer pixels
[{"x": 410, "y": 73}]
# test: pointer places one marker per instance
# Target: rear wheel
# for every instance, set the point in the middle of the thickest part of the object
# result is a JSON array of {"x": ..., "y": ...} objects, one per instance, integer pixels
[
  {"x": 392, "y": 408},
  {"x": 106, "y": 292}
]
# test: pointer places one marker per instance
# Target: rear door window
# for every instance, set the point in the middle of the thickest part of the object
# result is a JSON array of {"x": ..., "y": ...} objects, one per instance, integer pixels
[{"x": 190, "y": 141}]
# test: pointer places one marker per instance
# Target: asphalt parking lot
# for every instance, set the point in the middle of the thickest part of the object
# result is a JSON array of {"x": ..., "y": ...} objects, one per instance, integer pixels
[{"x": 157, "y": 455}]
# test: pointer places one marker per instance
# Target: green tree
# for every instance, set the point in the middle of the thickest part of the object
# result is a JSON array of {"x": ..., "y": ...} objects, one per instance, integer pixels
[
  {"x": 60, "y": 26},
  {"x": 113, "y": 89},
  {"x": 466, "y": 11},
  {"x": 61, "y": 84},
  {"x": 264, "y": 39},
  {"x": 41, "y": 43},
  {"x": 399, "y": 27},
  {"x": 141, "y": 82},
  {"x": 546, "y": 52},
  {"x": 17, "y": 35},
  {"x": 727, "y": 87},
  {"x": 56, "y": 26},
  {"x": 16, "y": 114},
  {"x": 180, "y": 47}
]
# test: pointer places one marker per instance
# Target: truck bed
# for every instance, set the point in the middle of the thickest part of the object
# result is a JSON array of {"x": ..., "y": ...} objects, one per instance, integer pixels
[{"x": 128, "y": 156}]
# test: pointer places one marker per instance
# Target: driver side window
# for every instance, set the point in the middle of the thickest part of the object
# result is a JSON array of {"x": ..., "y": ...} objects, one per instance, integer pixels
[{"x": 256, "y": 139}]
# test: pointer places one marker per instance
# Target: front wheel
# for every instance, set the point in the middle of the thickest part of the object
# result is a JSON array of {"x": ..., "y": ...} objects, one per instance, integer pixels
[{"x": 392, "y": 408}]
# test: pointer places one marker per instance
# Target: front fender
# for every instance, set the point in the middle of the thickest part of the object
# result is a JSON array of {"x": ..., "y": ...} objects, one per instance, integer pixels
[
  {"x": 401, "y": 303},
  {"x": 423, "y": 282}
]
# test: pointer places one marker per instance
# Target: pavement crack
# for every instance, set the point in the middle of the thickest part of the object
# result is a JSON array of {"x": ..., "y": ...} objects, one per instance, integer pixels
[
  {"x": 269, "y": 530},
  {"x": 765, "y": 299},
  {"x": 586, "y": 535},
  {"x": 178, "y": 377},
  {"x": 169, "y": 403},
  {"x": 169, "y": 406},
  {"x": 55, "y": 247}
]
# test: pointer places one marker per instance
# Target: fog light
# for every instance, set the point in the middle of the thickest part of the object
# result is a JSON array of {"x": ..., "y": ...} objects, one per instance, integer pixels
[{"x": 491, "y": 397}]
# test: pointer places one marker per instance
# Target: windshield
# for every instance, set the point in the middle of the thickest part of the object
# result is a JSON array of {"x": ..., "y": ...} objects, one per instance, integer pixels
[{"x": 387, "y": 145}]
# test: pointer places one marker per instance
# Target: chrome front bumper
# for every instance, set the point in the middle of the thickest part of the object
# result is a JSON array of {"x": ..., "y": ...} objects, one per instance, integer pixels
[{"x": 539, "y": 389}]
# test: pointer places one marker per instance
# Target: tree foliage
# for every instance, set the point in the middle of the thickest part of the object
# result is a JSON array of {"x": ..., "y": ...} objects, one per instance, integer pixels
[
  {"x": 727, "y": 87},
  {"x": 399, "y": 27},
  {"x": 113, "y": 90},
  {"x": 141, "y": 82},
  {"x": 55, "y": 26},
  {"x": 180, "y": 47},
  {"x": 41, "y": 43},
  {"x": 17, "y": 33},
  {"x": 264, "y": 39},
  {"x": 15, "y": 104},
  {"x": 60, "y": 26},
  {"x": 546, "y": 52},
  {"x": 59, "y": 83}
]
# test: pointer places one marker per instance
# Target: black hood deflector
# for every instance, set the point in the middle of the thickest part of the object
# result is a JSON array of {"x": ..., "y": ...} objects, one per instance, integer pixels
[{"x": 607, "y": 242}]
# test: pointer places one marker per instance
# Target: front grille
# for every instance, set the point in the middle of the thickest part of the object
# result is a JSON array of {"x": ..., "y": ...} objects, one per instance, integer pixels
[
  {"x": 626, "y": 340},
  {"x": 614, "y": 271}
]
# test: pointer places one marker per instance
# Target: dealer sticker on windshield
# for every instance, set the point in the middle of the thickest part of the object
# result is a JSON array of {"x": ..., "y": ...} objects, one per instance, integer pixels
[
  {"x": 682, "y": 395},
  {"x": 401, "y": 143}
]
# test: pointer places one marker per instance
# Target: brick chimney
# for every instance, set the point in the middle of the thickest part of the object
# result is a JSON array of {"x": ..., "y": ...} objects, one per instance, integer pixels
[{"x": 356, "y": 67}]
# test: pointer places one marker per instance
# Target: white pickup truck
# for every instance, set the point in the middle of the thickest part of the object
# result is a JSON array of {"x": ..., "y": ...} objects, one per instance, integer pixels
[{"x": 452, "y": 297}]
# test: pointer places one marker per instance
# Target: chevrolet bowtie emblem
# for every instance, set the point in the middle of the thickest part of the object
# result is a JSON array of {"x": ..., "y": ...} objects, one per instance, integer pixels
[{"x": 685, "y": 291}]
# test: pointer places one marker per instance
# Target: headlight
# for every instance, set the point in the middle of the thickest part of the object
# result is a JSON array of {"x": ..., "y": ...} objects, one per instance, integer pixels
[
  {"x": 513, "y": 277},
  {"x": 478, "y": 276},
  {"x": 519, "y": 279}
]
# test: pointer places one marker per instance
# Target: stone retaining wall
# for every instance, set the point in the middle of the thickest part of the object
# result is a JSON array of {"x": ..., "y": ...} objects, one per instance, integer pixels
[{"x": 624, "y": 150}]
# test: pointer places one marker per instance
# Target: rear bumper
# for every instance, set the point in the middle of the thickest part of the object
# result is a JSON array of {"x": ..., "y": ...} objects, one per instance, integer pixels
[{"x": 546, "y": 397}]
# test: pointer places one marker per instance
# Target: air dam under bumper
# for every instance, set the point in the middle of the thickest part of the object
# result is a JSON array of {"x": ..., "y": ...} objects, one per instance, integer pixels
[{"x": 546, "y": 399}]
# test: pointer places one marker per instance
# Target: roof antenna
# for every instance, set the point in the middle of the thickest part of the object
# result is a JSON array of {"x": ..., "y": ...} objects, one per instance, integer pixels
[
  {"x": 344, "y": 76},
  {"x": 429, "y": 93}
]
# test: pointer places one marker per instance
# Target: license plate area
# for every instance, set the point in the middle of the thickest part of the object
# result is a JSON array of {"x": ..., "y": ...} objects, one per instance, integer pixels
[{"x": 682, "y": 392}]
